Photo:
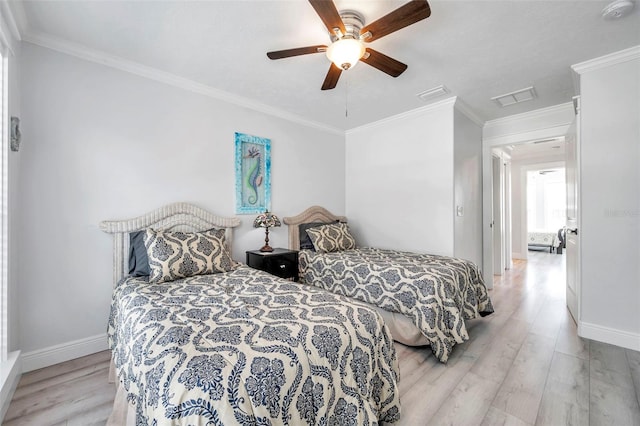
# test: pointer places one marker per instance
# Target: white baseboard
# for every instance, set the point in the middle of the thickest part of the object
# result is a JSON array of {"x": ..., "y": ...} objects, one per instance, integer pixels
[
  {"x": 612, "y": 336},
  {"x": 10, "y": 371},
  {"x": 64, "y": 352}
]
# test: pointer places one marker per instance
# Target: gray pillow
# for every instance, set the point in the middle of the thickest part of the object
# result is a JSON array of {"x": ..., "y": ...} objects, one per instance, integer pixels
[{"x": 138, "y": 259}]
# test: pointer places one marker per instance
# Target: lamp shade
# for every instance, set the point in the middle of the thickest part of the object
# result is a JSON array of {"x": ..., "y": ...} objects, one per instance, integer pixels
[
  {"x": 345, "y": 53},
  {"x": 266, "y": 220}
]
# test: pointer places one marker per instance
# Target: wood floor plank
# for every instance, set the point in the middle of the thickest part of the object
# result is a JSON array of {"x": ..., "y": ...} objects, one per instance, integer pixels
[
  {"x": 566, "y": 395},
  {"x": 65, "y": 367},
  {"x": 613, "y": 398},
  {"x": 415, "y": 363},
  {"x": 522, "y": 389},
  {"x": 53, "y": 402},
  {"x": 549, "y": 319},
  {"x": 569, "y": 342},
  {"x": 468, "y": 403},
  {"x": 497, "y": 360},
  {"x": 68, "y": 376},
  {"x": 496, "y": 417},
  {"x": 612, "y": 405},
  {"x": 433, "y": 389},
  {"x": 609, "y": 365},
  {"x": 634, "y": 364}
]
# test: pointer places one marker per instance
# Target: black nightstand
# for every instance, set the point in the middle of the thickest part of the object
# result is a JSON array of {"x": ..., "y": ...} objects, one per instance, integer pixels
[{"x": 280, "y": 262}]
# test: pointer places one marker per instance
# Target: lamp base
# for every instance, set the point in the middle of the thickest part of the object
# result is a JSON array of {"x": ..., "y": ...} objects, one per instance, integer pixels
[{"x": 266, "y": 248}]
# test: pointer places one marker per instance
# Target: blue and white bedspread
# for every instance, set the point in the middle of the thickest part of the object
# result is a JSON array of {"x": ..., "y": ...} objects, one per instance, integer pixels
[
  {"x": 246, "y": 348},
  {"x": 436, "y": 292}
]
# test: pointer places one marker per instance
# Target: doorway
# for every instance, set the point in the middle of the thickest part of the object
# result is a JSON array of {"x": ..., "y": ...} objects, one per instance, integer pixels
[
  {"x": 500, "y": 137},
  {"x": 545, "y": 199}
]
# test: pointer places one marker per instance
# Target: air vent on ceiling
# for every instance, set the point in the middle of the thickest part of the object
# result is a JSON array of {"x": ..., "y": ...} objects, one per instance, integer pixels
[
  {"x": 518, "y": 96},
  {"x": 433, "y": 93}
]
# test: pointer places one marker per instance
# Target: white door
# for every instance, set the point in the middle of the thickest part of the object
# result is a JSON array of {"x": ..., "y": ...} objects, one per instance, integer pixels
[
  {"x": 573, "y": 203},
  {"x": 498, "y": 252}
]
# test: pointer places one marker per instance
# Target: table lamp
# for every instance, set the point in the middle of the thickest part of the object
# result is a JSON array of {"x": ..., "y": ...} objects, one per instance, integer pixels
[{"x": 266, "y": 220}]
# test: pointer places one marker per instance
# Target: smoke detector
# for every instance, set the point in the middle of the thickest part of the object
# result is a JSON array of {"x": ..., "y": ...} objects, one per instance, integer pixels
[{"x": 617, "y": 9}]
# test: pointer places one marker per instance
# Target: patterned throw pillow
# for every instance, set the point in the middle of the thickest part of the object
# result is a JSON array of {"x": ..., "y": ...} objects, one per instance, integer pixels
[
  {"x": 305, "y": 241},
  {"x": 332, "y": 237},
  {"x": 174, "y": 255}
]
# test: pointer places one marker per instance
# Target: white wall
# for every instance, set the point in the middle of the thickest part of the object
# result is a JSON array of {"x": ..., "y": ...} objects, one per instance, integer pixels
[
  {"x": 399, "y": 181},
  {"x": 467, "y": 188},
  {"x": 610, "y": 206},
  {"x": 99, "y": 143}
]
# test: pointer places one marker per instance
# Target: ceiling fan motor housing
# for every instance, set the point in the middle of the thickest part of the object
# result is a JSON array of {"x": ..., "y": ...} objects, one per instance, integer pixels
[{"x": 353, "y": 22}]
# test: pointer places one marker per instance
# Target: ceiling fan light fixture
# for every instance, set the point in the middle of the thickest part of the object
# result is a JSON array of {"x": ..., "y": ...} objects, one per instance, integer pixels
[{"x": 345, "y": 53}]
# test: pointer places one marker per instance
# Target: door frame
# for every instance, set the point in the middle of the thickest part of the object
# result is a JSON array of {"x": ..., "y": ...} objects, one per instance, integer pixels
[{"x": 541, "y": 124}]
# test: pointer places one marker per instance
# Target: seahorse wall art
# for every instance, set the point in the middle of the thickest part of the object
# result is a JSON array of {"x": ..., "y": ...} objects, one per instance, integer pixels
[
  {"x": 253, "y": 169},
  {"x": 254, "y": 175}
]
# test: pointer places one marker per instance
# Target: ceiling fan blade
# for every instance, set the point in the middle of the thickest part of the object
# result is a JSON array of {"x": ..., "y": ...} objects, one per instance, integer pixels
[
  {"x": 287, "y": 53},
  {"x": 383, "y": 62},
  {"x": 327, "y": 11},
  {"x": 332, "y": 77},
  {"x": 405, "y": 15}
]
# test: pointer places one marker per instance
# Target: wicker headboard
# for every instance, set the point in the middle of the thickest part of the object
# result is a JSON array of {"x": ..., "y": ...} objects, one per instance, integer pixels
[
  {"x": 177, "y": 216},
  {"x": 312, "y": 214}
]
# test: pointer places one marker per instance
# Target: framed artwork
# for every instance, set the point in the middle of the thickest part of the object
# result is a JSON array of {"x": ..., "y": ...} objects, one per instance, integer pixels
[{"x": 253, "y": 174}]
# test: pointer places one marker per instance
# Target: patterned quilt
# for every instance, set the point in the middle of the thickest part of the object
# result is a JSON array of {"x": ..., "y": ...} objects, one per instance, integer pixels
[
  {"x": 436, "y": 292},
  {"x": 246, "y": 348}
]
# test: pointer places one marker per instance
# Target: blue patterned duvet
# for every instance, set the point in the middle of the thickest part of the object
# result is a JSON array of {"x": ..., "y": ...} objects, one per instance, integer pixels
[
  {"x": 436, "y": 292},
  {"x": 246, "y": 348}
]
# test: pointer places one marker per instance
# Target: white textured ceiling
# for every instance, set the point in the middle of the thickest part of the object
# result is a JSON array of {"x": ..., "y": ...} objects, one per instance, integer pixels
[{"x": 477, "y": 49}]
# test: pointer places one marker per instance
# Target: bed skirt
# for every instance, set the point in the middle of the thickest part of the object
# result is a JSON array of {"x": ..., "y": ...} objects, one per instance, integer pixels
[
  {"x": 123, "y": 413},
  {"x": 401, "y": 327}
]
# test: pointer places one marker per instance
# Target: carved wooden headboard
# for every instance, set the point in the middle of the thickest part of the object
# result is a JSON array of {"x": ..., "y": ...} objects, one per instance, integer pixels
[
  {"x": 312, "y": 214},
  {"x": 177, "y": 217}
]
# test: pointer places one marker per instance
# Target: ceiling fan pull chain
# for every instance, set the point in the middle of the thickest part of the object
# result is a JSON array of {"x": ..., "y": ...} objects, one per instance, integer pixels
[{"x": 346, "y": 97}]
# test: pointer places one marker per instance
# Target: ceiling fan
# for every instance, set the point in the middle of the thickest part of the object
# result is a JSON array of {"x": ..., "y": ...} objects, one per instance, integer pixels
[{"x": 348, "y": 35}]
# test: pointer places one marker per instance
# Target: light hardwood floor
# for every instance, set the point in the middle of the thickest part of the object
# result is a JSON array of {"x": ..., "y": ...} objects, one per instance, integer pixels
[{"x": 523, "y": 365}]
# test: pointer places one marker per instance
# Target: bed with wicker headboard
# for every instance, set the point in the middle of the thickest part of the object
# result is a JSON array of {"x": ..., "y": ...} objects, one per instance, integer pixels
[
  {"x": 205, "y": 340},
  {"x": 424, "y": 299}
]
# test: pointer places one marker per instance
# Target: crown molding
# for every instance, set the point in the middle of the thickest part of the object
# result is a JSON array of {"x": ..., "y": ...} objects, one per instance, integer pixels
[
  {"x": 9, "y": 31},
  {"x": 102, "y": 58},
  {"x": 408, "y": 114},
  {"x": 607, "y": 60},
  {"x": 539, "y": 119},
  {"x": 531, "y": 115},
  {"x": 9, "y": 11},
  {"x": 465, "y": 109}
]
